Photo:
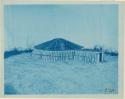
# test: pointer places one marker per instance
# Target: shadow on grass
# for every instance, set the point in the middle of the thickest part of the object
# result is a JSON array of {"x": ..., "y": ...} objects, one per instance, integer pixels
[{"x": 9, "y": 90}]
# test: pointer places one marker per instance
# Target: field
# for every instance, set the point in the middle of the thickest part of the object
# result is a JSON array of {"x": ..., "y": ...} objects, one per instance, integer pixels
[{"x": 25, "y": 74}]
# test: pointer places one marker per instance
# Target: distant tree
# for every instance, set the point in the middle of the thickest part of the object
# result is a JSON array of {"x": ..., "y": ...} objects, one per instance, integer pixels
[
  {"x": 111, "y": 52},
  {"x": 98, "y": 48}
]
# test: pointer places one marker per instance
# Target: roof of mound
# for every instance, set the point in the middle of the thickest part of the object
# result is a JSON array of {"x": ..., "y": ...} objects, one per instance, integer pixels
[{"x": 58, "y": 44}]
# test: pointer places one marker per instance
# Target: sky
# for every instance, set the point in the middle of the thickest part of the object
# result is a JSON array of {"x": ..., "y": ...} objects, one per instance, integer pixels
[{"x": 85, "y": 24}]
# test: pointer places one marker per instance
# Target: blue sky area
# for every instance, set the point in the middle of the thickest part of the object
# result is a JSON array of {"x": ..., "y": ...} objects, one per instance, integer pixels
[{"x": 85, "y": 24}]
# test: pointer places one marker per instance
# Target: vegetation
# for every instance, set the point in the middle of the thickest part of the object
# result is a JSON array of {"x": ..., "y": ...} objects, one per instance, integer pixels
[{"x": 16, "y": 51}]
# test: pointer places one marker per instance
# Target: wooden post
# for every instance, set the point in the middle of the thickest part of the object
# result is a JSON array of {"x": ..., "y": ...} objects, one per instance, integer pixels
[{"x": 101, "y": 56}]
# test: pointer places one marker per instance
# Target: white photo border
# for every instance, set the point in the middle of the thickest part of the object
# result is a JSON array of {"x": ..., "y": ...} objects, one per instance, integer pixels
[{"x": 120, "y": 38}]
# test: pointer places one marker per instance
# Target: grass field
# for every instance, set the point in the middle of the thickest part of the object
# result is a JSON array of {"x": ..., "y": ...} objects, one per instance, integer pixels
[{"x": 30, "y": 75}]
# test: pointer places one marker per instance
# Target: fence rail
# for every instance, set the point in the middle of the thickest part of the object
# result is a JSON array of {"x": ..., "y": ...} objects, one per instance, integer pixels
[{"x": 72, "y": 55}]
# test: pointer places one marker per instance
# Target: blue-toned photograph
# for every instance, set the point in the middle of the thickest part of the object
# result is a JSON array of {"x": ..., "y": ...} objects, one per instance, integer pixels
[{"x": 61, "y": 49}]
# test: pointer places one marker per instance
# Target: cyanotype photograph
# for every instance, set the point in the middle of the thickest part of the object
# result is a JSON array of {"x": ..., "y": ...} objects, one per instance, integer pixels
[{"x": 61, "y": 49}]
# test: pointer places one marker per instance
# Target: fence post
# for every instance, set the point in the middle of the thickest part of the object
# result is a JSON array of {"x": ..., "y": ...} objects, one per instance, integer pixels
[{"x": 101, "y": 56}]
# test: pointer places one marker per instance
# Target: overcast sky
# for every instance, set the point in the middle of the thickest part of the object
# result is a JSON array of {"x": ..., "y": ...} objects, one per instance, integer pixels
[{"x": 87, "y": 25}]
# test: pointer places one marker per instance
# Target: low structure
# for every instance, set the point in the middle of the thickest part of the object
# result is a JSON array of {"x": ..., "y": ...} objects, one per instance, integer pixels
[{"x": 62, "y": 50}]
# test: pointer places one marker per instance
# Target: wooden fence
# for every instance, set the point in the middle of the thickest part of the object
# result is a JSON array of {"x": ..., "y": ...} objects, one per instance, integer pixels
[{"x": 72, "y": 55}]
